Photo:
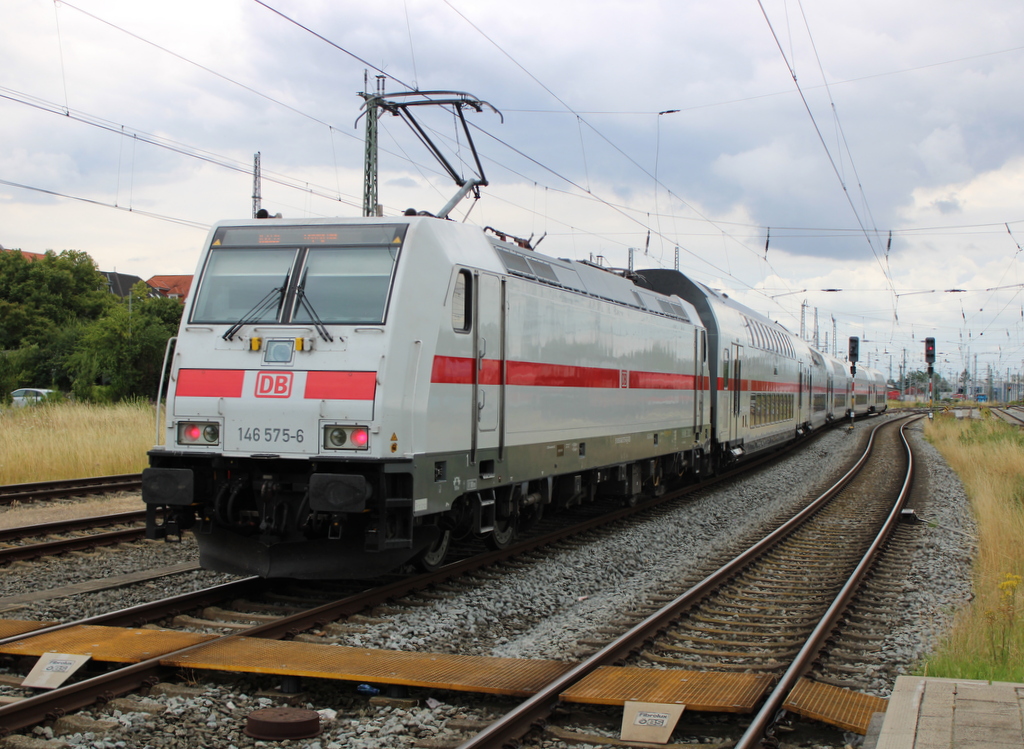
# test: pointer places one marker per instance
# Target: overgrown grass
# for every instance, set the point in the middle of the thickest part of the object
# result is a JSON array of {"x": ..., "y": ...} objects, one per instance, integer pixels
[
  {"x": 73, "y": 440},
  {"x": 987, "y": 641}
]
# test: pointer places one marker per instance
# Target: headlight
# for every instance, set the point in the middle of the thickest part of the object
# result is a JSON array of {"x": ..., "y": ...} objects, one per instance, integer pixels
[
  {"x": 346, "y": 438},
  {"x": 198, "y": 433}
]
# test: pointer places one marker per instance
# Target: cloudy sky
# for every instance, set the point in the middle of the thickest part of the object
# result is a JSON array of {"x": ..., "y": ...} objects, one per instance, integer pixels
[{"x": 784, "y": 148}]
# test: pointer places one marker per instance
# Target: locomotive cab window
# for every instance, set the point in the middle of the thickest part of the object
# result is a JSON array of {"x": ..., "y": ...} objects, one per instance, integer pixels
[
  {"x": 299, "y": 274},
  {"x": 345, "y": 285},
  {"x": 462, "y": 297},
  {"x": 235, "y": 282}
]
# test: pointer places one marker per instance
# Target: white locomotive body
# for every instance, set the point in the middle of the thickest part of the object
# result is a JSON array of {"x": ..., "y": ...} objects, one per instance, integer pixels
[{"x": 347, "y": 395}]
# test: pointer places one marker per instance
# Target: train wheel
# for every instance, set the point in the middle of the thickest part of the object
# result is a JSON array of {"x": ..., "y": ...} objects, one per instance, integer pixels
[
  {"x": 503, "y": 534},
  {"x": 433, "y": 557}
]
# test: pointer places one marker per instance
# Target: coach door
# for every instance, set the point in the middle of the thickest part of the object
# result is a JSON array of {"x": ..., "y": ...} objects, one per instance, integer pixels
[
  {"x": 806, "y": 386},
  {"x": 736, "y": 393},
  {"x": 699, "y": 362},
  {"x": 488, "y": 431}
]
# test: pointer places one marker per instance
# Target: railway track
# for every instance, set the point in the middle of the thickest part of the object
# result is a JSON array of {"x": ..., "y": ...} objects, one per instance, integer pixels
[
  {"x": 13, "y": 493},
  {"x": 818, "y": 617},
  {"x": 24, "y": 713},
  {"x": 318, "y": 618},
  {"x": 23, "y": 551},
  {"x": 1011, "y": 415}
]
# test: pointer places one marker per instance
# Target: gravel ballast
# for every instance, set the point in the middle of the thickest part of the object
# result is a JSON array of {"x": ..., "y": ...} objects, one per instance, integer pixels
[{"x": 540, "y": 610}]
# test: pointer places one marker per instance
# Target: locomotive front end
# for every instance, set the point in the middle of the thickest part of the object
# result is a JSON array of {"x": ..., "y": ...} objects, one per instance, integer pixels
[{"x": 273, "y": 453}]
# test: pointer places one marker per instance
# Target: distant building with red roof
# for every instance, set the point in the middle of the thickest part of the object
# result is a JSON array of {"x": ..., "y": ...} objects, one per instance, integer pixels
[
  {"x": 174, "y": 287},
  {"x": 30, "y": 256}
]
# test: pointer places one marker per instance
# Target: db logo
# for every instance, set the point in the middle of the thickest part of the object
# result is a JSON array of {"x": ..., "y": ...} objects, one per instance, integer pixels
[{"x": 274, "y": 384}]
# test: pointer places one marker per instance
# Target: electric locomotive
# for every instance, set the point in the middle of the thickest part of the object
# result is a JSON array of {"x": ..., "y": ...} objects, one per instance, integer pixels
[
  {"x": 349, "y": 395},
  {"x": 346, "y": 396}
]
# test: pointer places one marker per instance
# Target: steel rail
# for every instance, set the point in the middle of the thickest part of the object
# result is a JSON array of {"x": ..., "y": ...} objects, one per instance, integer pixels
[
  {"x": 1010, "y": 418},
  {"x": 69, "y": 488},
  {"x": 56, "y": 702},
  {"x": 537, "y": 708},
  {"x": 76, "y": 524},
  {"x": 104, "y": 687},
  {"x": 144, "y": 613},
  {"x": 803, "y": 660},
  {"x": 51, "y": 705},
  {"x": 64, "y": 545}
]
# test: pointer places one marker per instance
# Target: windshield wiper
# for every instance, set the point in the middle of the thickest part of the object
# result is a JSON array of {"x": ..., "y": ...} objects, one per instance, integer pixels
[
  {"x": 317, "y": 322},
  {"x": 272, "y": 299}
]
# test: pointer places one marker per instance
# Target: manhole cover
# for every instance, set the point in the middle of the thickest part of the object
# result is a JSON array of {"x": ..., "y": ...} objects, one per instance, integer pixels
[{"x": 280, "y": 723}]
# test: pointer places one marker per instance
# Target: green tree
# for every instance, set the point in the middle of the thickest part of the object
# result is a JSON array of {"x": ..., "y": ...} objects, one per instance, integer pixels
[
  {"x": 37, "y": 296},
  {"x": 43, "y": 306},
  {"x": 119, "y": 355},
  {"x": 919, "y": 380}
]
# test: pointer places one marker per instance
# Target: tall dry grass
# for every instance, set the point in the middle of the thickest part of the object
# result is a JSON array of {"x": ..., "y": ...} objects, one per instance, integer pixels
[
  {"x": 987, "y": 641},
  {"x": 73, "y": 440}
]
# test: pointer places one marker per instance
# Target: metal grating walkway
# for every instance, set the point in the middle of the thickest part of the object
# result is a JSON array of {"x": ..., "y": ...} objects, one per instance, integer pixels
[
  {"x": 711, "y": 691},
  {"x": 506, "y": 676},
  {"x": 698, "y": 690},
  {"x": 836, "y": 706},
  {"x": 109, "y": 644},
  {"x": 13, "y": 627}
]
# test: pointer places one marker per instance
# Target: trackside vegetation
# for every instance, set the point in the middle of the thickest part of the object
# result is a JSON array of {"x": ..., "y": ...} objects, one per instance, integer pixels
[
  {"x": 62, "y": 329},
  {"x": 987, "y": 641},
  {"x": 54, "y": 441}
]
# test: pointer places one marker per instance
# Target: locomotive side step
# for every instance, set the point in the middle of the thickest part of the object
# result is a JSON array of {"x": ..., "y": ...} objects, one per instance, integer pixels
[{"x": 486, "y": 511}]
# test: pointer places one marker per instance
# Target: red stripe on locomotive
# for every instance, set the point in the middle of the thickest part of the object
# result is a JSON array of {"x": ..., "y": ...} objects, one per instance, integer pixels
[
  {"x": 210, "y": 383},
  {"x": 455, "y": 370},
  {"x": 341, "y": 386}
]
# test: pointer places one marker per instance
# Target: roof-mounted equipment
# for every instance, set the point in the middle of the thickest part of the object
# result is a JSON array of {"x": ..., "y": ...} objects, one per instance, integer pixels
[{"x": 401, "y": 105}]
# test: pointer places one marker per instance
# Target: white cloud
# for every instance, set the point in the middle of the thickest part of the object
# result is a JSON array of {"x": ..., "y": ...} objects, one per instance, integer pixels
[
  {"x": 928, "y": 135},
  {"x": 943, "y": 154},
  {"x": 990, "y": 197}
]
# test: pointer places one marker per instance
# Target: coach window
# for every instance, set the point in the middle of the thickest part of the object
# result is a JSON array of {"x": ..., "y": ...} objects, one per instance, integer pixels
[{"x": 462, "y": 298}]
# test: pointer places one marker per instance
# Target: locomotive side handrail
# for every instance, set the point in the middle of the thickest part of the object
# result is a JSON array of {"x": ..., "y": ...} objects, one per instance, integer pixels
[{"x": 160, "y": 388}]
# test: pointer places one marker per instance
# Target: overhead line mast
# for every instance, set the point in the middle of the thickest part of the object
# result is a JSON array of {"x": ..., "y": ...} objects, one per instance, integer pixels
[
  {"x": 370, "y": 205},
  {"x": 257, "y": 180}
]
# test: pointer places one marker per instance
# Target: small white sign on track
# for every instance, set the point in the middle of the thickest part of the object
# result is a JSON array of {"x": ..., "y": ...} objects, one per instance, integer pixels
[
  {"x": 53, "y": 669},
  {"x": 649, "y": 721}
]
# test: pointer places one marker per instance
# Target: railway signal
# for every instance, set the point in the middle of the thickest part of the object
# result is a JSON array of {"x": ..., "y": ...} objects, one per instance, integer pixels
[
  {"x": 853, "y": 353},
  {"x": 929, "y": 357}
]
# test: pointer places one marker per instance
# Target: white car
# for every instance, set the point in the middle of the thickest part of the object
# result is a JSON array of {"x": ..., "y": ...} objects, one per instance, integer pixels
[{"x": 29, "y": 396}]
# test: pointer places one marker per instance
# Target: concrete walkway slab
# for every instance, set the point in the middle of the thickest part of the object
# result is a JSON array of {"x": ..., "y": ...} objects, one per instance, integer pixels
[{"x": 926, "y": 713}]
